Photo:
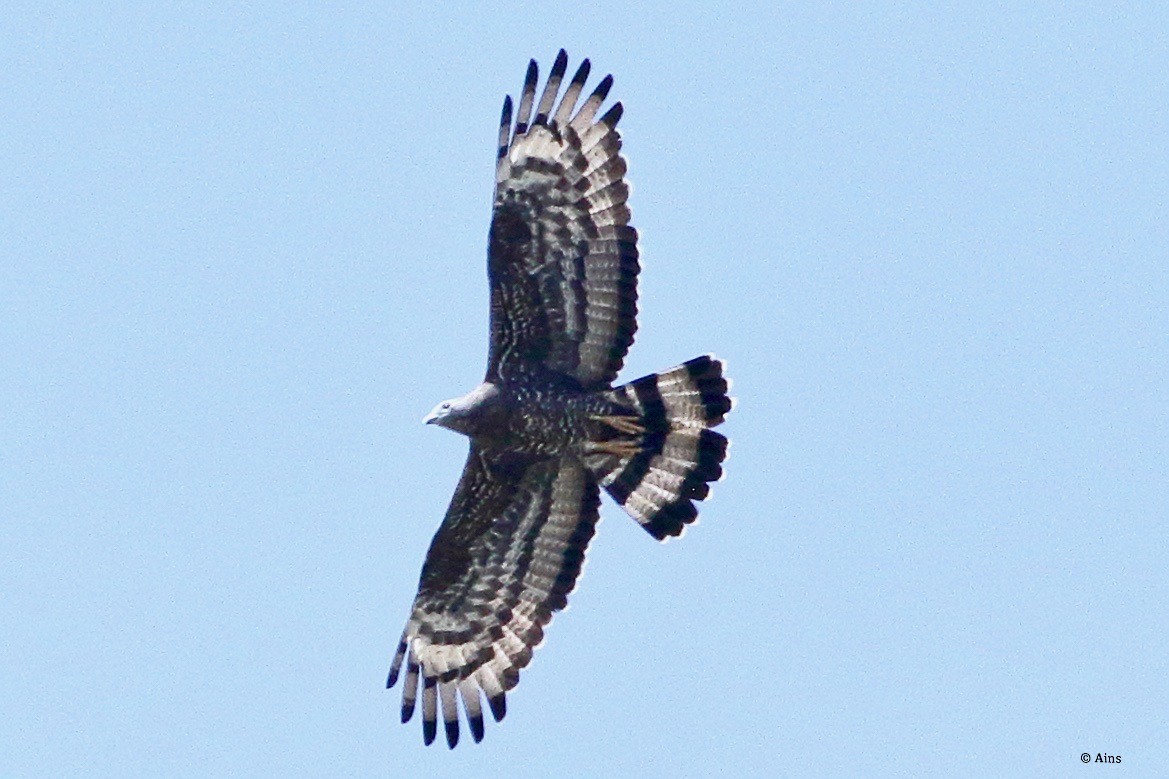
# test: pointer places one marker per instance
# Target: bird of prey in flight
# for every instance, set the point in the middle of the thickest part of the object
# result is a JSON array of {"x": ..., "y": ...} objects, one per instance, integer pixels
[{"x": 547, "y": 428}]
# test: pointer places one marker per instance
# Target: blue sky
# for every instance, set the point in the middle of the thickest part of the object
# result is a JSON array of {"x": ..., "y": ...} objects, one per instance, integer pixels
[{"x": 243, "y": 255}]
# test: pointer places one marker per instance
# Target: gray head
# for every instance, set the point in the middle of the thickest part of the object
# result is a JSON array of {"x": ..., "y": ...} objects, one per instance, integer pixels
[{"x": 464, "y": 415}]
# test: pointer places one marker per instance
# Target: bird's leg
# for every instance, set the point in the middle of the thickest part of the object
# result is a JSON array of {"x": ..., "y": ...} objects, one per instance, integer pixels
[
  {"x": 622, "y": 447},
  {"x": 629, "y": 425}
]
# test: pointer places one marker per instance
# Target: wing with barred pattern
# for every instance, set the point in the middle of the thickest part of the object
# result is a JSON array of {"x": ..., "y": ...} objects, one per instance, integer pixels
[
  {"x": 562, "y": 258},
  {"x": 505, "y": 558}
]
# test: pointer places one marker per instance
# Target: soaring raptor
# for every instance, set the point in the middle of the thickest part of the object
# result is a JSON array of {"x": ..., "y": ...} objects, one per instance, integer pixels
[{"x": 547, "y": 428}]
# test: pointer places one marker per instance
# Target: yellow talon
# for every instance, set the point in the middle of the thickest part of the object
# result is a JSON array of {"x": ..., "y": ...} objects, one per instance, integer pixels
[{"x": 623, "y": 424}]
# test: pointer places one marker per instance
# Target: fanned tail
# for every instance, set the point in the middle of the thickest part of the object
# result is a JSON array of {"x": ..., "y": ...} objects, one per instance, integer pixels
[{"x": 658, "y": 455}]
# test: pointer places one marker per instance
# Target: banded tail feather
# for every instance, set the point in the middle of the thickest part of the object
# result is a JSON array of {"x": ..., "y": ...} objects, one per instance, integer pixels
[{"x": 657, "y": 459}]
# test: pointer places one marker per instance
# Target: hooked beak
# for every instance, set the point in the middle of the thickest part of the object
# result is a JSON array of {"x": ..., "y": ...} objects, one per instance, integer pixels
[{"x": 430, "y": 418}]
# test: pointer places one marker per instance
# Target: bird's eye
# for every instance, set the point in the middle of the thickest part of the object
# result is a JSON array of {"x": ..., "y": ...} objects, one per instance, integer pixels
[{"x": 446, "y": 406}]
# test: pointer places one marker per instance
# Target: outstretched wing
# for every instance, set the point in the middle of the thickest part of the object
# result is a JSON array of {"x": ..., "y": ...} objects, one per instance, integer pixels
[
  {"x": 504, "y": 559},
  {"x": 562, "y": 258}
]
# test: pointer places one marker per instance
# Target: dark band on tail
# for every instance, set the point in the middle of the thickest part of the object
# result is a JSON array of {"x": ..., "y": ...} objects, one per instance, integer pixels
[{"x": 677, "y": 454}]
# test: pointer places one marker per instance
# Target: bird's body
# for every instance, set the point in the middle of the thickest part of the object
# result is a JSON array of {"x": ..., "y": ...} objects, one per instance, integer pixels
[
  {"x": 548, "y": 429},
  {"x": 539, "y": 417}
]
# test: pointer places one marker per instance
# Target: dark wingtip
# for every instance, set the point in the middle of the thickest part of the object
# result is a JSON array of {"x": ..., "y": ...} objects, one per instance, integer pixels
[
  {"x": 604, "y": 87},
  {"x": 452, "y": 732},
  {"x": 396, "y": 664},
  {"x": 613, "y": 115},
  {"x": 551, "y": 88},
  {"x": 527, "y": 97},
  {"x": 504, "y": 128},
  {"x": 476, "y": 723},
  {"x": 429, "y": 730},
  {"x": 498, "y": 706},
  {"x": 582, "y": 72}
]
